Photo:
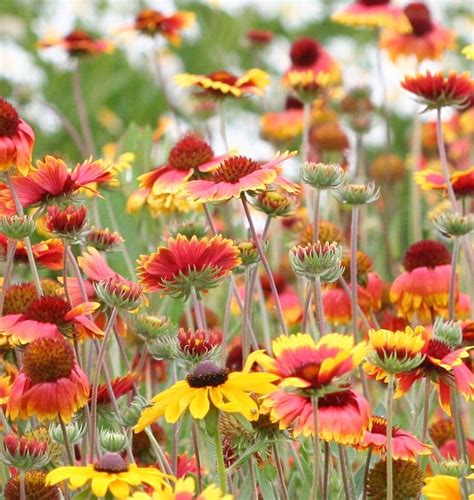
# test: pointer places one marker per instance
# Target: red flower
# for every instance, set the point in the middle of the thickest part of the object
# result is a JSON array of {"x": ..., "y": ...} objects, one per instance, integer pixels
[
  {"x": 16, "y": 140},
  {"x": 185, "y": 264},
  {"x": 78, "y": 43},
  {"x": 68, "y": 222},
  {"x": 435, "y": 90},
  {"x": 237, "y": 175},
  {"x": 50, "y": 383},
  {"x": 461, "y": 180},
  {"x": 405, "y": 446},
  {"x": 120, "y": 386},
  {"x": 259, "y": 38},
  {"x": 48, "y": 253}
]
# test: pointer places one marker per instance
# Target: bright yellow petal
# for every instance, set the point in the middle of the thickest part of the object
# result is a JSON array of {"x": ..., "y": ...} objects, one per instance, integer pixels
[
  {"x": 120, "y": 489},
  {"x": 200, "y": 405},
  {"x": 100, "y": 484},
  {"x": 62, "y": 473}
]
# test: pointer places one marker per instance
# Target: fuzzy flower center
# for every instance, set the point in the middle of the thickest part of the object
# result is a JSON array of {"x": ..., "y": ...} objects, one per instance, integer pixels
[
  {"x": 233, "y": 169},
  {"x": 9, "y": 119},
  {"x": 426, "y": 253},
  {"x": 48, "y": 360},
  {"x": 112, "y": 463},
  {"x": 190, "y": 152},
  {"x": 304, "y": 52},
  {"x": 18, "y": 298},
  {"x": 364, "y": 266},
  {"x": 207, "y": 374},
  {"x": 419, "y": 17},
  {"x": 35, "y": 487},
  {"x": 48, "y": 310}
]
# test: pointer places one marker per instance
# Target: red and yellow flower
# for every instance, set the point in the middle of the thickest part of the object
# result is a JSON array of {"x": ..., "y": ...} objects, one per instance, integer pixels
[
  {"x": 461, "y": 180},
  {"x": 49, "y": 384},
  {"x": 427, "y": 40},
  {"x": 187, "y": 263},
  {"x": 237, "y": 175},
  {"x": 435, "y": 90},
  {"x": 373, "y": 14},
  {"x": 224, "y": 84},
  {"x": 48, "y": 253},
  {"x": 190, "y": 156},
  {"x": 78, "y": 43},
  {"x": 160, "y": 204},
  {"x": 153, "y": 22},
  {"x": 282, "y": 127},
  {"x": 405, "y": 446},
  {"x": 16, "y": 140},
  {"x": 422, "y": 291}
]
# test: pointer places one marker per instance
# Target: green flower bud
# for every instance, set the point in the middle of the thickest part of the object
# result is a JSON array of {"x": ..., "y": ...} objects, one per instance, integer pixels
[
  {"x": 163, "y": 347},
  {"x": 17, "y": 227},
  {"x": 316, "y": 259},
  {"x": 120, "y": 293},
  {"x": 454, "y": 468},
  {"x": 449, "y": 332},
  {"x": 275, "y": 203},
  {"x": 112, "y": 441},
  {"x": 149, "y": 327},
  {"x": 449, "y": 224},
  {"x": 357, "y": 194},
  {"x": 322, "y": 175},
  {"x": 74, "y": 431},
  {"x": 190, "y": 228},
  {"x": 130, "y": 414}
]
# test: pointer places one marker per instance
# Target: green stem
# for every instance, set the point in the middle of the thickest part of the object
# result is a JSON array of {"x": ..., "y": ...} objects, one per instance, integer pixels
[
  {"x": 426, "y": 408},
  {"x": 353, "y": 270},
  {"x": 452, "y": 280},
  {"x": 345, "y": 480},
  {"x": 22, "y": 485},
  {"x": 316, "y": 450},
  {"x": 366, "y": 474},
  {"x": 197, "y": 454},
  {"x": 318, "y": 298},
  {"x": 67, "y": 445},
  {"x": 220, "y": 462},
  {"x": 7, "y": 272},
  {"x": 390, "y": 390}
]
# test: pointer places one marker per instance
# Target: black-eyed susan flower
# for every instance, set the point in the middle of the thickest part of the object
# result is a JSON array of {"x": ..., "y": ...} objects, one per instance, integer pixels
[
  {"x": 224, "y": 84},
  {"x": 210, "y": 385},
  {"x": 442, "y": 487},
  {"x": 110, "y": 473},
  {"x": 184, "y": 264},
  {"x": 427, "y": 40}
]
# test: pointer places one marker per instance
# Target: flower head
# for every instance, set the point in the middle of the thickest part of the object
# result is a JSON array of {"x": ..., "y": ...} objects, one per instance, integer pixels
[
  {"x": 103, "y": 240},
  {"x": 357, "y": 194},
  {"x": 198, "y": 345},
  {"x": 282, "y": 128},
  {"x": 222, "y": 84},
  {"x": 78, "y": 43},
  {"x": 153, "y": 22},
  {"x": 462, "y": 181},
  {"x": 442, "y": 487},
  {"x": 435, "y": 90},
  {"x": 16, "y": 140},
  {"x": 316, "y": 259},
  {"x": 48, "y": 253},
  {"x": 259, "y": 38},
  {"x": 110, "y": 473},
  {"x": 35, "y": 487},
  {"x": 449, "y": 224},
  {"x": 277, "y": 203},
  {"x": 49, "y": 384},
  {"x": 71, "y": 222},
  {"x": 237, "y": 175},
  {"x": 24, "y": 453},
  {"x": 17, "y": 227},
  {"x": 185, "y": 264},
  {"x": 210, "y": 384},
  {"x": 322, "y": 175},
  {"x": 387, "y": 168},
  {"x": 407, "y": 477},
  {"x": 120, "y": 293}
]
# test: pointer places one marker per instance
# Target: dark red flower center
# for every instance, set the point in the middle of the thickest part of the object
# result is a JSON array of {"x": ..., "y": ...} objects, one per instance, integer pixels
[
  {"x": 223, "y": 76},
  {"x": 304, "y": 52},
  {"x": 293, "y": 103},
  {"x": 207, "y": 374},
  {"x": 233, "y": 169},
  {"x": 48, "y": 310},
  {"x": 9, "y": 119},
  {"x": 379, "y": 426},
  {"x": 419, "y": 17},
  {"x": 437, "y": 349},
  {"x": 339, "y": 399},
  {"x": 111, "y": 462},
  {"x": 426, "y": 253},
  {"x": 78, "y": 37},
  {"x": 190, "y": 152},
  {"x": 373, "y": 2},
  {"x": 48, "y": 360},
  {"x": 309, "y": 372}
]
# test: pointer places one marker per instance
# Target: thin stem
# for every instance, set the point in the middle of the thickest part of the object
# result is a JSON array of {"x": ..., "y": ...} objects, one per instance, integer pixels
[
  {"x": 253, "y": 479},
  {"x": 197, "y": 455},
  {"x": 460, "y": 438},
  {"x": 266, "y": 265},
  {"x": 160, "y": 456},
  {"x": 220, "y": 461},
  {"x": 317, "y": 202},
  {"x": 29, "y": 249},
  {"x": 452, "y": 280},
  {"x": 22, "y": 485},
  {"x": 426, "y": 408},
  {"x": 267, "y": 336},
  {"x": 390, "y": 390},
  {"x": 415, "y": 198},
  {"x": 306, "y": 307},
  {"x": 226, "y": 323},
  {"x": 223, "y": 128},
  {"x": 366, "y": 474},
  {"x": 67, "y": 445},
  {"x": 246, "y": 315},
  {"x": 327, "y": 456},
  {"x": 354, "y": 289},
  {"x": 198, "y": 310},
  {"x": 3, "y": 420},
  {"x": 347, "y": 289},
  {"x": 345, "y": 480},
  {"x": 316, "y": 450},
  {"x": 318, "y": 298},
  {"x": 280, "y": 472},
  {"x": 305, "y": 148},
  {"x": 7, "y": 271},
  {"x": 82, "y": 110},
  {"x": 95, "y": 386},
  {"x": 383, "y": 86}
]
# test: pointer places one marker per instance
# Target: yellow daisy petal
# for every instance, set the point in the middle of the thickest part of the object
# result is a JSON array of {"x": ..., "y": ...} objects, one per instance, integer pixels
[{"x": 200, "y": 405}]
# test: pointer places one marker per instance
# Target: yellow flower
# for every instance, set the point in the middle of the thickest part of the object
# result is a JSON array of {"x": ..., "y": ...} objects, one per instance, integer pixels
[
  {"x": 184, "y": 489},
  {"x": 110, "y": 473},
  {"x": 468, "y": 52},
  {"x": 209, "y": 384},
  {"x": 442, "y": 488}
]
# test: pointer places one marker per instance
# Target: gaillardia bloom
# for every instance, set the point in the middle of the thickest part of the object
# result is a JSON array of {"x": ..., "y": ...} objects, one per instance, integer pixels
[
  {"x": 48, "y": 253},
  {"x": 187, "y": 158},
  {"x": 78, "y": 43},
  {"x": 405, "y": 446},
  {"x": 50, "y": 382},
  {"x": 153, "y": 22},
  {"x": 373, "y": 14},
  {"x": 16, "y": 140},
  {"x": 224, "y": 84},
  {"x": 427, "y": 40},
  {"x": 110, "y": 473},
  {"x": 435, "y": 90},
  {"x": 442, "y": 487},
  {"x": 422, "y": 291},
  {"x": 461, "y": 180},
  {"x": 237, "y": 175},
  {"x": 209, "y": 385},
  {"x": 186, "y": 264}
]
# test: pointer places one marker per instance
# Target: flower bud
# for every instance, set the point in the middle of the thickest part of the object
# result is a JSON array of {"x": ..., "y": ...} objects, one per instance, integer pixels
[
  {"x": 112, "y": 441},
  {"x": 275, "y": 203},
  {"x": 316, "y": 259},
  {"x": 449, "y": 224},
  {"x": 103, "y": 239},
  {"x": 24, "y": 453},
  {"x": 454, "y": 468},
  {"x": 198, "y": 345},
  {"x": 322, "y": 176},
  {"x": 148, "y": 327},
  {"x": 357, "y": 194},
  {"x": 120, "y": 293},
  {"x": 163, "y": 347},
  {"x": 190, "y": 228},
  {"x": 74, "y": 431},
  {"x": 448, "y": 332},
  {"x": 387, "y": 168},
  {"x": 248, "y": 253},
  {"x": 131, "y": 413},
  {"x": 70, "y": 222},
  {"x": 17, "y": 227}
]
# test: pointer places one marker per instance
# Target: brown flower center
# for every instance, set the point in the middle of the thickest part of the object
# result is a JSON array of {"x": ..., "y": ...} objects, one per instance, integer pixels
[
  {"x": 190, "y": 152},
  {"x": 233, "y": 169},
  {"x": 35, "y": 487},
  {"x": 207, "y": 374},
  {"x": 18, "y": 298},
  {"x": 304, "y": 52},
  {"x": 9, "y": 119},
  {"x": 48, "y": 360},
  {"x": 426, "y": 253},
  {"x": 48, "y": 310},
  {"x": 419, "y": 17},
  {"x": 111, "y": 462},
  {"x": 148, "y": 21}
]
